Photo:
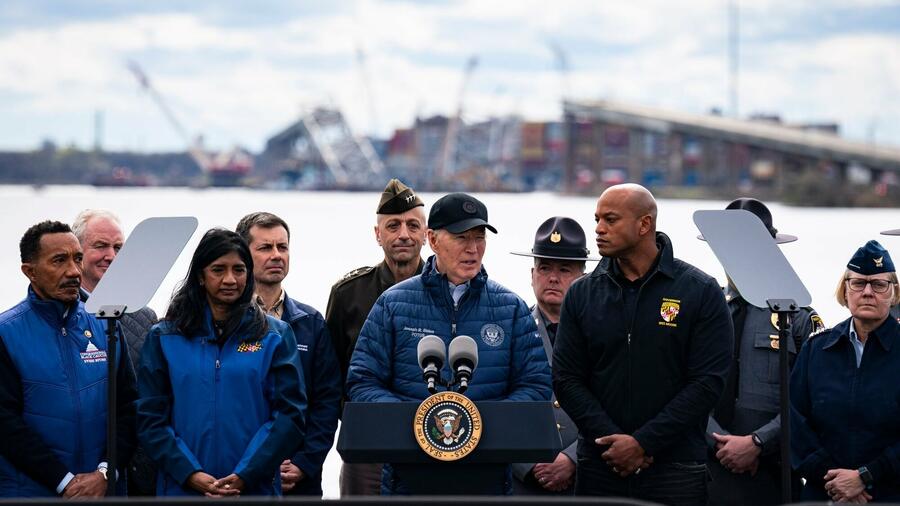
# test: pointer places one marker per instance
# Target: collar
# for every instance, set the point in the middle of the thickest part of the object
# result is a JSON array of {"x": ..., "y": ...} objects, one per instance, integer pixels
[
  {"x": 292, "y": 309},
  {"x": 664, "y": 263},
  {"x": 277, "y": 308},
  {"x": 884, "y": 335},
  {"x": 387, "y": 277},
  {"x": 731, "y": 295},
  {"x": 431, "y": 276},
  {"x": 56, "y": 313}
]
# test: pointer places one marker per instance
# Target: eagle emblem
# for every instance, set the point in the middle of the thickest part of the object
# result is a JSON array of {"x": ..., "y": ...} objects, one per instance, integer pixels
[
  {"x": 879, "y": 261},
  {"x": 447, "y": 427}
]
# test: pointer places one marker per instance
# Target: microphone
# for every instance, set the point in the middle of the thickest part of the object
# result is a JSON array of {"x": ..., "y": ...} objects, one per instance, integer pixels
[
  {"x": 463, "y": 360},
  {"x": 431, "y": 354}
]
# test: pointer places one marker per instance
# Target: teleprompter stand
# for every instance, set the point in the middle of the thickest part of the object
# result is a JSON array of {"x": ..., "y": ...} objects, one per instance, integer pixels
[
  {"x": 765, "y": 279},
  {"x": 127, "y": 286}
]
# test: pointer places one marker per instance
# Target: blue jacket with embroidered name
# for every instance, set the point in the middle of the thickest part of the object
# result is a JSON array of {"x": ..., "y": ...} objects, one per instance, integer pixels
[
  {"x": 512, "y": 364},
  {"x": 237, "y": 407},
  {"x": 56, "y": 404}
]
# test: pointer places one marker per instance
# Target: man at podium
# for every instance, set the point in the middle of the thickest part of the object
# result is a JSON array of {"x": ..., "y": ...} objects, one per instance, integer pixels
[{"x": 452, "y": 297}]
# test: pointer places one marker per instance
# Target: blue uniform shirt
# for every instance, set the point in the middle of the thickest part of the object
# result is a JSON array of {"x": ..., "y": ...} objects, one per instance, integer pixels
[{"x": 844, "y": 416}]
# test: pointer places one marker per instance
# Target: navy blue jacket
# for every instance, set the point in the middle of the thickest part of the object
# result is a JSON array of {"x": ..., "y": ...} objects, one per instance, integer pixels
[
  {"x": 847, "y": 417},
  {"x": 235, "y": 408},
  {"x": 53, "y": 396},
  {"x": 655, "y": 377},
  {"x": 323, "y": 390},
  {"x": 512, "y": 364}
]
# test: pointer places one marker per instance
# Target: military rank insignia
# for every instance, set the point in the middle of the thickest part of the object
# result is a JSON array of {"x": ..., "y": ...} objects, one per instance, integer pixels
[
  {"x": 447, "y": 426},
  {"x": 248, "y": 347}
]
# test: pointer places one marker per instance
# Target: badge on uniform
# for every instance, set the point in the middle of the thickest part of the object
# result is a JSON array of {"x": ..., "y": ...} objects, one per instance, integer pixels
[
  {"x": 817, "y": 323},
  {"x": 774, "y": 319},
  {"x": 246, "y": 347},
  {"x": 92, "y": 354},
  {"x": 668, "y": 311}
]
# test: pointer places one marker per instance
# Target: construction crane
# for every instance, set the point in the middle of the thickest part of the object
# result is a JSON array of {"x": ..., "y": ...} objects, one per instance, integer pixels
[
  {"x": 224, "y": 169},
  {"x": 448, "y": 157}
]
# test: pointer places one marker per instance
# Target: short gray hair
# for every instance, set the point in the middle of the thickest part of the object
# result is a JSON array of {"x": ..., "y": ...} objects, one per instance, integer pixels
[{"x": 79, "y": 226}]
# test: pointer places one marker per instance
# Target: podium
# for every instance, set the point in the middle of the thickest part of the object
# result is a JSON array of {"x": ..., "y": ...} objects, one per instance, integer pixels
[{"x": 382, "y": 432}]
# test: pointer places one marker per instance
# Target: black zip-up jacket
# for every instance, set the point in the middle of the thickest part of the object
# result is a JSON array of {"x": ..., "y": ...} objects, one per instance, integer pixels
[{"x": 657, "y": 377}]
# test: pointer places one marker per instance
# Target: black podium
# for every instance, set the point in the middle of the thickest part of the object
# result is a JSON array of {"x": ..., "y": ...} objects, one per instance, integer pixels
[{"x": 512, "y": 432}]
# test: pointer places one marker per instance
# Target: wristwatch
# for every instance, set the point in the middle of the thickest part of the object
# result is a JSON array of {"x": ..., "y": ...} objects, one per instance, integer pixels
[
  {"x": 756, "y": 440},
  {"x": 102, "y": 470},
  {"x": 866, "y": 476}
]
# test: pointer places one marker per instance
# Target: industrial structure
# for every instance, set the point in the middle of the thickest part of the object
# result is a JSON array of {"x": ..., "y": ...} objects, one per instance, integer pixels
[{"x": 610, "y": 142}]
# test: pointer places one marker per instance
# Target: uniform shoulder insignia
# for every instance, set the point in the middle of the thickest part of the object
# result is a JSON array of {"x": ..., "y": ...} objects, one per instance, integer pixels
[
  {"x": 818, "y": 332},
  {"x": 818, "y": 325},
  {"x": 355, "y": 273}
]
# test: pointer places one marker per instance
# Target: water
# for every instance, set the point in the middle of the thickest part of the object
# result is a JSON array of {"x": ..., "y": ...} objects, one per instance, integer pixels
[{"x": 332, "y": 233}]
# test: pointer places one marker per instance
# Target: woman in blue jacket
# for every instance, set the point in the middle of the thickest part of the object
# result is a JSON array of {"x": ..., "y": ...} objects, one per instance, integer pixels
[
  {"x": 222, "y": 399},
  {"x": 845, "y": 392}
]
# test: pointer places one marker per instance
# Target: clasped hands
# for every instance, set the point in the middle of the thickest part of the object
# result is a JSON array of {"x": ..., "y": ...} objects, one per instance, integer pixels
[
  {"x": 845, "y": 485},
  {"x": 625, "y": 455},
  {"x": 229, "y": 486}
]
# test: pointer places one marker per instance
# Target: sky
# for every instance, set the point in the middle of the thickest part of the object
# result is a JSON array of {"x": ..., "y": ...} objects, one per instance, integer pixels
[{"x": 239, "y": 72}]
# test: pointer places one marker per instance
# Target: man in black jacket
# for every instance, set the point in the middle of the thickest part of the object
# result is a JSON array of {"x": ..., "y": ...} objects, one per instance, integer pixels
[{"x": 640, "y": 359}]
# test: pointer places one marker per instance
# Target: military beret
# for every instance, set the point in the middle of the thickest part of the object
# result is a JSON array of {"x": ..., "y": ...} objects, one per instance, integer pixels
[
  {"x": 397, "y": 198},
  {"x": 871, "y": 259}
]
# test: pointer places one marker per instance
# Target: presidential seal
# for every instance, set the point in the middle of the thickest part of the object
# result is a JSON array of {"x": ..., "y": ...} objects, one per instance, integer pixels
[{"x": 447, "y": 426}]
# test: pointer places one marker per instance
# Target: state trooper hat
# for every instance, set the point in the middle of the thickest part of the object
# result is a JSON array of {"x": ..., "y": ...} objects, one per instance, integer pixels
[
  {"x": 559, "y": 238},
  {"x": 458, "y": 212},
  {"x": 871, "y": 259},
  {"x": 765, "y": 216},
  {"x": 397, "y": 198}
]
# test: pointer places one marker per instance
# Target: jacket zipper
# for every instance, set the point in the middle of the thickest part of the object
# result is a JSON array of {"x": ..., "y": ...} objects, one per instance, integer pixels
[
  {"x": 216, "y": 399},
  {"x": 629, "y": 331},
  {"x": 70, "y": 369}
]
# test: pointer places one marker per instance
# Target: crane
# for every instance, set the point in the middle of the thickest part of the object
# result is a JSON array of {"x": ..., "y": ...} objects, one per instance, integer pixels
[
  {"x": 225, "y": 168},
  {"x": 448, "y": 156}
]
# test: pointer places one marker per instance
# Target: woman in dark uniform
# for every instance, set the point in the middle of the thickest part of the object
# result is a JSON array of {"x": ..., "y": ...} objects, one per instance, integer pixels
[{"x": 845, "y": 391}]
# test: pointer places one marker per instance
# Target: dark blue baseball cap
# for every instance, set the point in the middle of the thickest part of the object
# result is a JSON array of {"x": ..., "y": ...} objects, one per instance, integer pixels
[
  {"x": 458, "y": 212},
  {"x": 871, "y": 259}
]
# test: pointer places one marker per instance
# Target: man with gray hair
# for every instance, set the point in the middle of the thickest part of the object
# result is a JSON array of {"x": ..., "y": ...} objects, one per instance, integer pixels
[{"x": 100, "y": 233}]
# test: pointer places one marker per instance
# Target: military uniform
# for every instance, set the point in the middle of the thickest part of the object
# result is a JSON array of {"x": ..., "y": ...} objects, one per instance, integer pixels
[
  {"x": 351, "y": 299},
  {"x": 750, "y": 403},
  {"x": 525, "y": 484},
  {"x": 349, "y": 303},
  {"x": 895, "y": 312}
]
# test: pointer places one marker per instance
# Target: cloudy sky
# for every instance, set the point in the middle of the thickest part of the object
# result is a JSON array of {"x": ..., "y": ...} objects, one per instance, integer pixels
[{"x": 239, "y": 71}]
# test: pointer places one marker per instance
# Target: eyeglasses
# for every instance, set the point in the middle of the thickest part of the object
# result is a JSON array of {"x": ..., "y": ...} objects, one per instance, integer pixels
[{"x": 878, "y": 285}]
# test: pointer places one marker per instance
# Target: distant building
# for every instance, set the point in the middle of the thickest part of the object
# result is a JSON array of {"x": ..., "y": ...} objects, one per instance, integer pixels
[{"x": 611, "y": 142}]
